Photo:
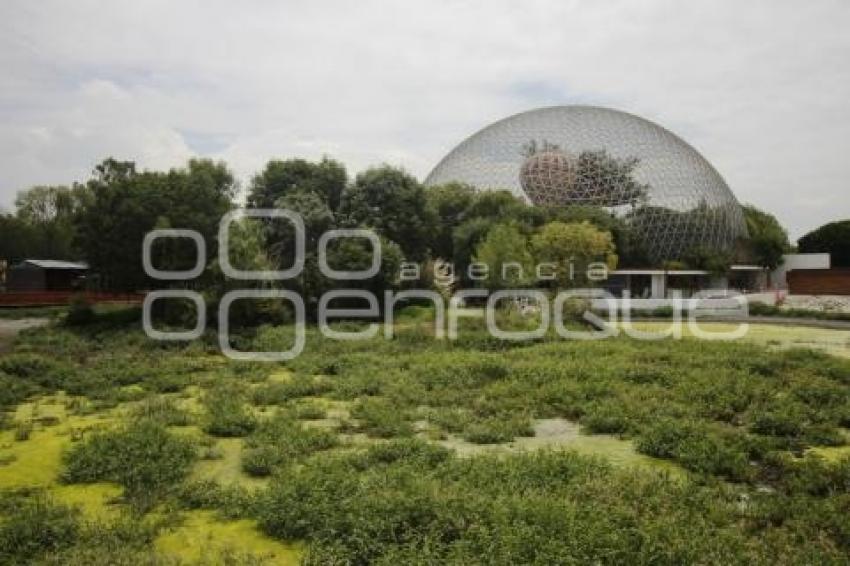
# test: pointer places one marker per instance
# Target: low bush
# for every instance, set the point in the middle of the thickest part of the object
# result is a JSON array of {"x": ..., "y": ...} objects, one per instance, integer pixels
[
  {"x": 162, "y": 410},
  {"x": 697, "y": 448},
  {"x": 280, "y": 393},
  {"x": 605, "y": 418},
  {"x": 280, "y": 441},
  {"x": 310, "y": 411},
  {"x": 498, "y": 429},
  {"x": 227, "y": 413},
  {"x": 80, "y": 312},
  {"x": 35, "y": 526},
  {"x": 143, "y": 457},
  {"x": 381, "y": 418},
  {"x": 23, "y": 430}
]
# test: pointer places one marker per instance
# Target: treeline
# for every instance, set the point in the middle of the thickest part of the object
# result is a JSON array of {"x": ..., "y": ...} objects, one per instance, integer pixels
[{"x": 105, "y": 219}]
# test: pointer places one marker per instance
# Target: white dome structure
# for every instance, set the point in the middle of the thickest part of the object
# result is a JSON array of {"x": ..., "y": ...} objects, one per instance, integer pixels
[{"x": 584, "y": 155}]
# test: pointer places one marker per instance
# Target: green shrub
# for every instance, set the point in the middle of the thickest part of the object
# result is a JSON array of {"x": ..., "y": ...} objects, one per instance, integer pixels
[
  {"x": 785, "y": 420},
  {"x": 36, "y": 526},
  {"x": 23, "y": 430},
  {"x": 299, "y": 386},
  {"x": 408, "y": 451},
  {"x": 605, "y": 418},
  {"x": 80, "y": 312},
  {"x": 162, "y": 410},
  {"x": 499, "y": 429},
  {"x": 697, "y": 448},
  {"x": 227, "y": 414},
  {"x": 381, "y": 418},
  {"x": 281, "y": 440},
  {"x": 310, "y": 411},
  {"x": 143, "y": 457}
]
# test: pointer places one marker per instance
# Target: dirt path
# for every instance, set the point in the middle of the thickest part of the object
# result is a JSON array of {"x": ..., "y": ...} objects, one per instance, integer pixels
[{"x": 10, "y": 328}]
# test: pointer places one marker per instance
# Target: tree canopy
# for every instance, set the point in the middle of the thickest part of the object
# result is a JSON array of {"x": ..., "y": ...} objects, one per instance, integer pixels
[
  {"x": 832, "y": 238},
  {"x": 327, "y": 179},
  {"x": 393, "y": 203},
  {"x": 768, "y": 240}
]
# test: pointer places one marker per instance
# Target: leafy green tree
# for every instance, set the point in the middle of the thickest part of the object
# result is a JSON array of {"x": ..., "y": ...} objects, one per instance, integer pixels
[
  {"x": 449, "y": 204},
  {"x": 507, "y": 253},
  {"x": 393, "y": 203},
  {"x": 49, "y": 212},
  {"x": 125, "y": 205},
  {"x": 713, "y": 261},
  {"x": 327, "y": 179},
  {"x": 768, "y": 240},
  {"x": 572, "y": 247},
  {"x": 247, "y": 251},
  {"x": 501, "y": 205},
  {"x": 16, "y": 239},
  {"x": 465, "y": 239},
  {"x": 832, "y": 238},
  {"x": 611, "y": 177},
  {"x": 631, "y": 251}
]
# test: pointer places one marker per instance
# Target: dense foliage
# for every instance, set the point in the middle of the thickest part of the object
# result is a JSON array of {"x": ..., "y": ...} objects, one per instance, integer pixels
[
  {"x": 380, "y": 451},
  {"x": 832, "y": 238},
  {"x": 768, "y": 240},
  {"x": 144, "y": 458}
]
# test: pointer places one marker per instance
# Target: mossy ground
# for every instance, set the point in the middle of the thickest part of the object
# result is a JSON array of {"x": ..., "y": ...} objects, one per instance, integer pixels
[
  {"x": 835, "y": 342},
  {"x": 398, "y": 436},
  {"x": 204, "y": 537}
]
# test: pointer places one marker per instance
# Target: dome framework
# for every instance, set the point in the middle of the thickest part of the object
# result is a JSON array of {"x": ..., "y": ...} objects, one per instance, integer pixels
[{"x": 583, "y": 155}]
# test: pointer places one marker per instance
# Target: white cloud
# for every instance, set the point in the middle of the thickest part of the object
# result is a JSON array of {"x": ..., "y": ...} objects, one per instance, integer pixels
[{"x": 759, "y": 87}]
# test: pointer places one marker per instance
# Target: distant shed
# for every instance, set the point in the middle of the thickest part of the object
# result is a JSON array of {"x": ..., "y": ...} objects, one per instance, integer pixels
[{"x": 45, "y": 275}]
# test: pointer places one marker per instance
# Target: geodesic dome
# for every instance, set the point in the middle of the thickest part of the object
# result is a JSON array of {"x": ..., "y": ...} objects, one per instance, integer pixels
[{"x": 583, "y": 155}]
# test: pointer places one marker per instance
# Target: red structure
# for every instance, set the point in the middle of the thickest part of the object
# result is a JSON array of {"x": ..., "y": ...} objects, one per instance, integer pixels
[
  {"x": 59, "y": 298},
  {"x": 834, "y": 281}
]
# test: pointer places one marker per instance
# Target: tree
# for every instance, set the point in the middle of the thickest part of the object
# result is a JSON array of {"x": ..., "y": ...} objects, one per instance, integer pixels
[
  {"x": 631, "y": 250},
  {"x": 832, "y": 238},
  {"x": 124, "y": 205},
  {"x": 768, "y": 240},
  {"x": 610, "y": 179},
  {"x": 449, "y": 205},
  {"x": 247, "y": 251},
  {"x": 393, "y": 203},
  {"x": 506, "y": 252},
  {"x": 707, "y": 259},
  {"x": 327, "y": 179},
  {"x": 504, "y": 205},
  {"x": 572, "y": 247},
  {"x": 16, "y": 239},
  {"x": 465, "y": 239},
  {"x": 49, "y": 212}
]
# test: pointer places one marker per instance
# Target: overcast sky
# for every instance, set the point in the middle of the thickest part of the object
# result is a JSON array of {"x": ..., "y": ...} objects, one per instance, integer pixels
[{"x": 762, "y": 89}]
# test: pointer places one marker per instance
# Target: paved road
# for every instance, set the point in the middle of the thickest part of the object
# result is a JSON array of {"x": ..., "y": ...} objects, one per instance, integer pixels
[{"x": 10, "y": 328}]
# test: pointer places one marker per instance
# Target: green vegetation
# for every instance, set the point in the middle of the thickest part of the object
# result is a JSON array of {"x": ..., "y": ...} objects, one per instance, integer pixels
[
  {"x": 421, "y": 450},
  {"x": 768, "y": 240},
  {"x": 832, "y": 238},
  {"x": 144, "y": 458}
]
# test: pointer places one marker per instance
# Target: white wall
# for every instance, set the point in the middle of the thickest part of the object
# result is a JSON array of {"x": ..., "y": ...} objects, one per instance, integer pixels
[{"x": 797, "y": 261}]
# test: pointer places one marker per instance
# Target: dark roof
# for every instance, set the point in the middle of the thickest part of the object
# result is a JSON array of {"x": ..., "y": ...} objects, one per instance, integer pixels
[{"x": 54, "y": 264}]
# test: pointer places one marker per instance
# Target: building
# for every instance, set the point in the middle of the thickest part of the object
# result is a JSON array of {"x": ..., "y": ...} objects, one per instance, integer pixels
[
  {"x": 585, "y": 155},
  {"x": 796, "y": 262},
  {"x": 45, "y": 275}
]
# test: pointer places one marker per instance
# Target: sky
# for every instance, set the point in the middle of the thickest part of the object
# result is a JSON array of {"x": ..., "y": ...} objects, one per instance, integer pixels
[{"x": 760, "y": 88}]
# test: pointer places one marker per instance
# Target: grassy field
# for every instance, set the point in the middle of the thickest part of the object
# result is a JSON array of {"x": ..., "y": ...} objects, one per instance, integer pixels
[
  {"x": 118, "y": 450},
  {"x": 835, "y": 342}
]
